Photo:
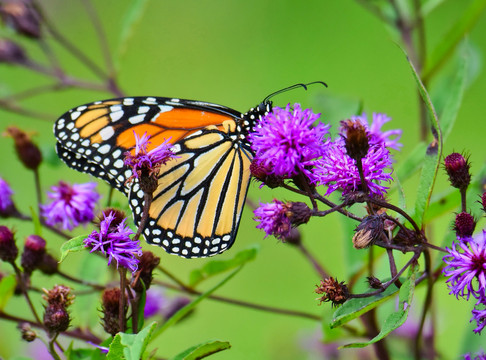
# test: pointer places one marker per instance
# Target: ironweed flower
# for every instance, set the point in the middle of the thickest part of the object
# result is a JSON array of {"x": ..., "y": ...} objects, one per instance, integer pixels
[
  {"x": 146, "y": 163},
  {"x": 56, "y": 316},
  {"x": 457, "y": 167},
  {"x": 332, "y": 290},
  {"x": 272, "y": 218},
  {"x": 466, "y": 268},
  {"x": 286, "y": 142},
  {"x": 478, "y": 356},
  {"x": 479, "y": 315},
  {"x": 338, "y": 171},
  {"x": 114, "y": 242},
  {"x": 71, "y": 205},
  {"x": 6, "y": 192},
  {"x": 33, "y": 254},
  {"x": 464, "y": 225},
  {"x": 110, "y": 307},
  {"x": 8, "y": 248}
]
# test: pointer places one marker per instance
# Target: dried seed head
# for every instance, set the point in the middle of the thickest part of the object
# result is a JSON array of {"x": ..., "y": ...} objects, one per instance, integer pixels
[
  {"x": 56, "y": 316},
  {"x": 110, "y": 309},
  {"x": 464, "y": 225},
  {"x": 22, "y": 16},
  {"x": 27, "y": 151},
  {"x": 355, "y": 138},
  {"x": 148, "y": 262},
  {"x": 34, "y": 250},
  {"x": 457, "y": 167},
  {"x": 332, "y": 290},
  {"x": 8, "y": 248}
]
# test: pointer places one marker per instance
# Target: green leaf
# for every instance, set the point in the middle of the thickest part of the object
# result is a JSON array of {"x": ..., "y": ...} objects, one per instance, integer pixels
[
  {"x": 73, "y": 245},
  {"x": 79, "y": 354},
  {"x": 202, "y": 350},
  {"x": 395, "y": 319},
  {"x": 130, "y": 22},
  {"x": 215, "y": 267},
  {"x": 131, "y": 346},
  {"x": 432, "y": 156},
  {"x": 7, "y": 288},
  {"x": 182, "y": 312},
  {"x": 354, "y": 308},
  {"x": 450, "y": 40}
]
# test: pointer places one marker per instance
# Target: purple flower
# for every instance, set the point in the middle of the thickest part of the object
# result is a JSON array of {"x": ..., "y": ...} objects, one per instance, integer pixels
[
  {"x": 114, "y": 242},
  {"x": 388, "y": 138},
  {"x": 477, "y": 356},
  {"x": 155, "y": 301},
  {"x": 338, "y": 171},
  {"x": 273, "y": 220},
  {"x": 466, "y": 268},
  {"x": 287, "y": 142},
  {"x": 71, "y": 205},
  {"x": 5, "y": 196},
  {"x": 144, "y": 159},
  {"x": 479, "y": 315}
]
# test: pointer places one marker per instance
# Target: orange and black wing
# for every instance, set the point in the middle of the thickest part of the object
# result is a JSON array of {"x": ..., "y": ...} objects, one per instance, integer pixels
[{"x": 197, "y": 206}]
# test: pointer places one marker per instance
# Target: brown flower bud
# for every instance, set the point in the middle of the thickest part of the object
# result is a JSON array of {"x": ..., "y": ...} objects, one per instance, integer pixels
[
  {"x": 27, "y": 151},
  {"x": 8, "y": 248},
  {"x": 464, "y": 225},
  {"x": 28, "y": 334},
  {"x": 332, "y": 290},
  {"x": 457, "y": 167},
  {"x": 355, "y": 138},
  {"x": 148, "y": 262},
  {"x": 298, "y": 213},
  {"x": 20, "y": 15},
  {"x": 111, "y": 308},
  {"x": 34, "y": 250},
  {"x": 264, "y": 174},
  {"x": 48, "y": 265},
  {"x": 11, "y": 53},
  {"x": 370, "y": 230},
  {"x": 119, "y": 216},
  {"x": 60, "y": 295}
]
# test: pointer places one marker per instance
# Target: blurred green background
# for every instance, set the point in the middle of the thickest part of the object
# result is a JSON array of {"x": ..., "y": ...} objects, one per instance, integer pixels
[{"x": 235, "y": 53}]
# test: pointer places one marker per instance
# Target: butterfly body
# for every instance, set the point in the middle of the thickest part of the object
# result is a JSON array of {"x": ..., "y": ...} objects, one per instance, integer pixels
[{"x": 197, "y": 206}]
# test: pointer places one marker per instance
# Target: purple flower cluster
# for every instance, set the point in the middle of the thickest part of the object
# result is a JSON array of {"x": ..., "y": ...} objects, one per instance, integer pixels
[
  {"x": 338, "y": 171},
  {"x": 466, "y": 273},
  {"x": 71, "y": 205},
  {"x": 5, "y": 196},
  {"x": 286, "y": 141},
  {"x": 114, "y": 242},
  {"x": 144, "y": 159},
  {"x": 388, "y": 138},
  {"x": 273, "y": 220}
]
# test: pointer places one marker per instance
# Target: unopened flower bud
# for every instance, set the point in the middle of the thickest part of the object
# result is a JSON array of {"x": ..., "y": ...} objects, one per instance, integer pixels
[
  {"x": 28, "y": 334},
  {"x": 457, "y": 167},
  {"x": 370, "y": 230},
  {"x": 483, "y": 201},
  {"x": 8, "y": 248},
  {"x": 56, "y": 315},
  {"x": 148, "y": 262},
  {"x": 21, "y": 15},
  {"x": 27, "y": 151},
  {"x": 11, "y": 53},
  {"x": 332, "y": 290},
  {"x": 464, "y": 225},
  {"x": 355, "y": 138},
  {"x": 48, "y": 265},
  {"x": 34, "y": 250},
  {"x": 111, "y": 309},
  {"x": 298, "y": 213}
]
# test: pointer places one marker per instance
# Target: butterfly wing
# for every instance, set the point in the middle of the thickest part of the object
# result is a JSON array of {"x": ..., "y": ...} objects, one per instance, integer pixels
[{"x": 196, "y": 208}]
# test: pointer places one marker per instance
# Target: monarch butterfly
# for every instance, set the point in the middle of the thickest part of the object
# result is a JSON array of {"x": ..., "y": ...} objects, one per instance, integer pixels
[{"x": 197, "y": 206}]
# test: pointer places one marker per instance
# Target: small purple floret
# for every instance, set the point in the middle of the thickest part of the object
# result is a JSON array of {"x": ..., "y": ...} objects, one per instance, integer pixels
[
  {"x": 115, "y": 243},
  {"x": 273, "y": 220},
  {"x": 388, "y": 138},
  {"x": 287, "y": 142},
  {"x": 71, "y": 205},
  {"x": 5, "y": 196}
]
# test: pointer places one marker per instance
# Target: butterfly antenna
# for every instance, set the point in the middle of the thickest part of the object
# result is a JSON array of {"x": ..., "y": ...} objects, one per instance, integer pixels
[{"x": 295, "y": 86}]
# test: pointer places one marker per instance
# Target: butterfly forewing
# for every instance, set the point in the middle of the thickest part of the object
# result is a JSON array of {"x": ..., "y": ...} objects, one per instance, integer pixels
[{"x": 196, "y": 208}]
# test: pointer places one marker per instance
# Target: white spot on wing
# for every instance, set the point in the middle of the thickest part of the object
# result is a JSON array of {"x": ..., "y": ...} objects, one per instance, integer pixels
[
  {"x": 104, "y": 149},
  {"x": 107, "y": 133}
]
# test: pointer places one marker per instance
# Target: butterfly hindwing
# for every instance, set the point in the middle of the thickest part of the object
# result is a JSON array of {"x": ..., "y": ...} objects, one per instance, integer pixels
[{"x": 196, "y": 208}]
